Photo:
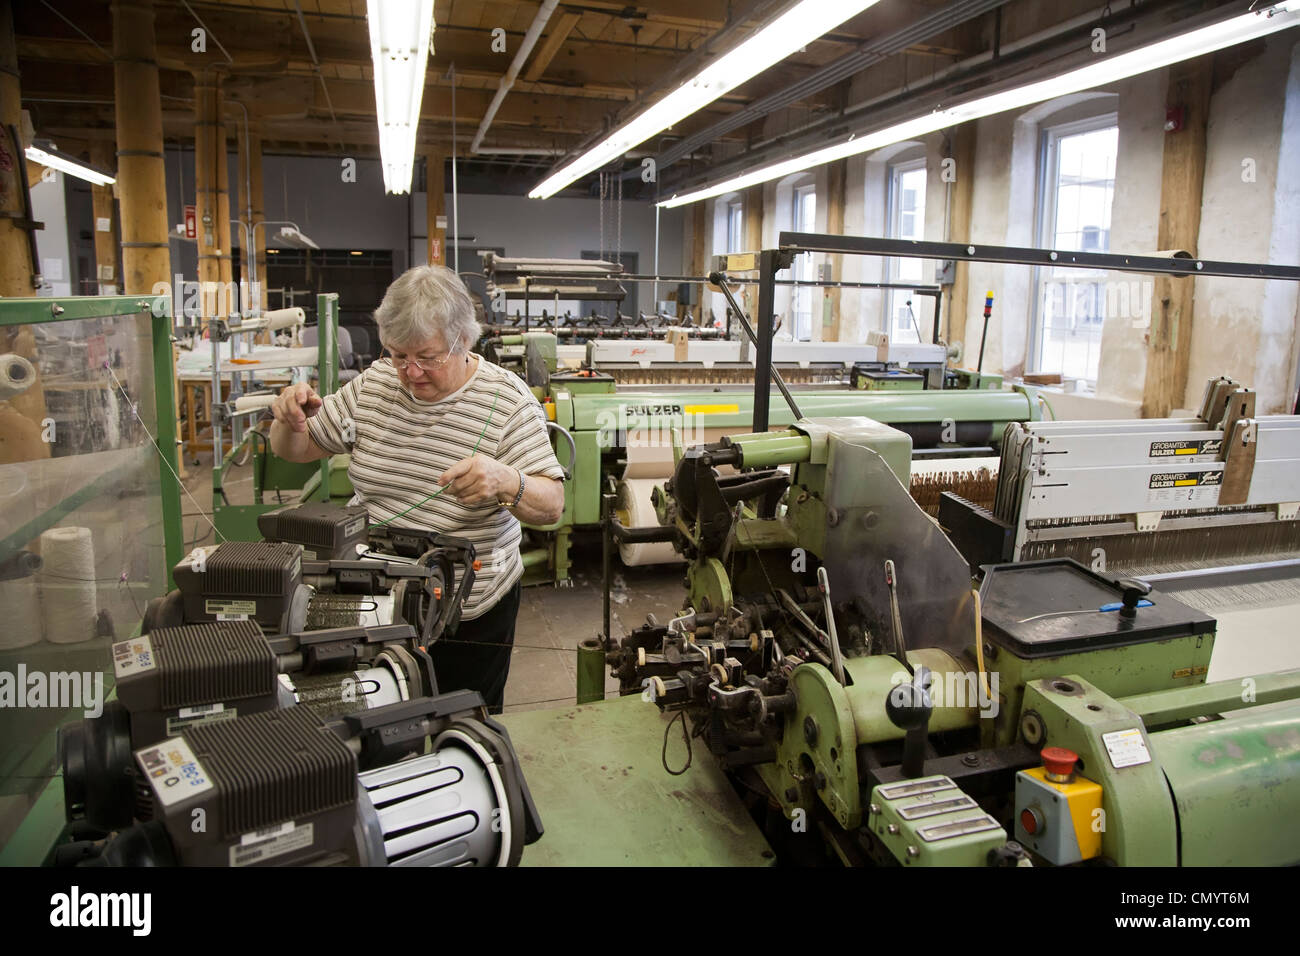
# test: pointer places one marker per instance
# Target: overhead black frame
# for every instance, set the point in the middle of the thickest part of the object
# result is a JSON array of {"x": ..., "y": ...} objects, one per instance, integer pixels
[{"x": 790, "y": 244}]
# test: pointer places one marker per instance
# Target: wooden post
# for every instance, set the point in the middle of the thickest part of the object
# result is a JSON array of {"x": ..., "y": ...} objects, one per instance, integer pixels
[
  {"x": 141, "y": 178},
  {"x": 17, "y": 270},
  {"x": 959, "y": 230},
  {"x": 753, "y": 219},
  {"x": 105, "y": 213},
  {"x": 209, "y": 191},
  {"x": 1182, "y": 181},
  {"x": 837, "y": 179},
  {"x": 436, "y": 207}
]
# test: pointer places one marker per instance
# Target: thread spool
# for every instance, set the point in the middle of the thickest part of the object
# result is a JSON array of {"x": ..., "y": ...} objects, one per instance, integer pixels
[
  {"x": 22, "y": 610},
  {"x": 67, "y": 585},
  {"x": 17, "y": 375},
  {"x": 278, "y": 319}
]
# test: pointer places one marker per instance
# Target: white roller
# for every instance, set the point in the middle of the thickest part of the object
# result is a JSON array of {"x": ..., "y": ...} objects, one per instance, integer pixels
[
  {"x": 22, "y": 609},
  {"x": 247, "y": 403},
  {"x": 278, "y": 319},
  {"x": 634, "y": 501},
  {"x": 17, "y": 375},
  {"x": 66, "y": 583}
]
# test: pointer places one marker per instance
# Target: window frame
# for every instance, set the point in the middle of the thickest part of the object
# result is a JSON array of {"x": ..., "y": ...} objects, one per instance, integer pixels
[
  {"x": 803, "y": 268},
  {"x": 736, "y": 237},
  {"x": 894, "y": 172},
  {"x": 1045, "y": 221}
]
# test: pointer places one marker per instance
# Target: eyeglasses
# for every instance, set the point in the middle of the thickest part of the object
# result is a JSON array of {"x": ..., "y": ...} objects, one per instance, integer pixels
[{"x": 428, "y": 365}]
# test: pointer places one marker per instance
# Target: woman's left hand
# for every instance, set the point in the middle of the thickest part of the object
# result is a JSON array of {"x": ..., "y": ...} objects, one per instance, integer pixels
[{"x": 479, "y": 480}]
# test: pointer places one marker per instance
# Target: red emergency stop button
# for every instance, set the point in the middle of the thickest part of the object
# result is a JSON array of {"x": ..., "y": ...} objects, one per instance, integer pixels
[
  {"x": 1059, "y": 763},
  {"x": 1031, "y": 820}
]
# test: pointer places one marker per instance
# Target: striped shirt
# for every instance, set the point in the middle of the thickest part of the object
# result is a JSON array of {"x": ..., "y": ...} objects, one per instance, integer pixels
[{"x": 401, "y": 444}]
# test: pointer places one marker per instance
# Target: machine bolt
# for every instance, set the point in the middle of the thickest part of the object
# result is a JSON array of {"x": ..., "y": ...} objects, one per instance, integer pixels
[
  {"x": 970, "y": 760},
  {"x": 874, "y": 809},
  {"x": 791, "y": 794},
  {"x": 832, "y": 516},
  {"x": 892, "y": 828},
  {"x": 913, "y": 852},
  {"x": 810, "y": 730}
]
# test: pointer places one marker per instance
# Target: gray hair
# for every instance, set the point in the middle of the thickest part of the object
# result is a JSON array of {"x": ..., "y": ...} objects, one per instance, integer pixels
[{"x": 426, "y": 301}]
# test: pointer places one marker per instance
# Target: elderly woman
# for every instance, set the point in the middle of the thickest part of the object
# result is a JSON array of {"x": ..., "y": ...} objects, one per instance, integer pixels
[{"x": 440, "y": 440}]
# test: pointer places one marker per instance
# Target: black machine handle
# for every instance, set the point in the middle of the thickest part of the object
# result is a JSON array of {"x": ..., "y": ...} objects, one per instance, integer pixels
[
  {"x": 447, "y": 552},
  {"x": 1132, "y": 591}
]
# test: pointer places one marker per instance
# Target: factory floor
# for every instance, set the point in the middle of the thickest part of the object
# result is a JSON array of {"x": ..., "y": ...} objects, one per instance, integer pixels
[{"x": 551, "y": 622}]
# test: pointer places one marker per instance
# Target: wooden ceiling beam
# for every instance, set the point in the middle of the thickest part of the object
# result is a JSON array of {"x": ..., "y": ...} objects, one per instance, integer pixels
[{"x": 551, "y": 45}]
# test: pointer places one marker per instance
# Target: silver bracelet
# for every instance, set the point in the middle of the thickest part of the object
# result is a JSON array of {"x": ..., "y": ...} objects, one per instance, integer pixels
[{"x": 520, "y": 496}]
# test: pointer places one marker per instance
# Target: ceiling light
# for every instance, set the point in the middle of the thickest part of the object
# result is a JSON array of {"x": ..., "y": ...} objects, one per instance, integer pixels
[
  {"x": 47, "y": 155},
  {"x": 1248, "y": 26},
  {"x": 787, "y": 34},
  {"x": 293, "y": 237},
  {"x": 401, "y": 40}
]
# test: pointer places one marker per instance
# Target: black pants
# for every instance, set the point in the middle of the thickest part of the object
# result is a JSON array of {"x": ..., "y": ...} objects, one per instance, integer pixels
[{"x": 477, "y": 656}]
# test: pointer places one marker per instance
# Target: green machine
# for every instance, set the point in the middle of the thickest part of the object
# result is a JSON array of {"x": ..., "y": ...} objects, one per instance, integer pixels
[
  {"x": 834, "y": 658},
  {"x": 90, "y": 511},
  {"x": 318, "y": 481},
  {"x": 600, "y": 426}
]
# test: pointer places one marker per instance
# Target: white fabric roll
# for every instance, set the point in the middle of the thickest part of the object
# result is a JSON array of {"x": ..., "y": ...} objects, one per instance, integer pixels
[
  {"x": 634, "y": 500},
  {"x": 17, "y": 375},
  {"x": 67, "y": 585},
  {"x": 22, "y": 613}
]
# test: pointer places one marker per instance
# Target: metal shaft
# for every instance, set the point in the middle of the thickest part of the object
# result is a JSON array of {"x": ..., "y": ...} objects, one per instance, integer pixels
[{"x": 763, "y": 362}]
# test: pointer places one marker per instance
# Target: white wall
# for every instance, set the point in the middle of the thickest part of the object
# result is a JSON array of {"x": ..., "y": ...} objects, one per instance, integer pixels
[
  {"x": 49, "y": 206},
  {"x": 1247, "y": 329}
]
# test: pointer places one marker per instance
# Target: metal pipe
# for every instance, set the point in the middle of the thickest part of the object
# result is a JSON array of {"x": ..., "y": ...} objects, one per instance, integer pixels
[
  {"x": 507, "y": 81},
  {"x": 837, "y": 661}
]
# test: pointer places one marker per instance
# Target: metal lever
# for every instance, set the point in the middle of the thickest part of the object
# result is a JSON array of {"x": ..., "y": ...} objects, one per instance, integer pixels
[
  {"x": 900, "y": 648},
  {"x": 837, "y": 661},
  {"x": 718, "y": 279}
]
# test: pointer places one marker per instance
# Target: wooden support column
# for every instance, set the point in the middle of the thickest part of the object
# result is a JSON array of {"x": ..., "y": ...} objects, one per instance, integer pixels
[
  {"x": 959, "y": 230},
  {"x": 141, "y": 178},
  {"x": 753, "y": 219},
  {"x": 837, "y": 178},
  {"x": 211, "y": 198},
  {"x": 436, "y": 207},
  {"x": 21, "y": 417},
  {"x": 17, "y": 270},
  {"x": 699, "y": 252},
  {"x": 105, "y": 212},
  {"x": 1182, "y": 181},
  {"x": 250, "y": 212}
]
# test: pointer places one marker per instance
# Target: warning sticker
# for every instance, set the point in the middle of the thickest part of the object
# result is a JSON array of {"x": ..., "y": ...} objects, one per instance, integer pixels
[
  {"x": 207, "y": 714},
  {"x": 231, "y": 608},
  {"x": 268, "y": 843},
  {"x": 1185, "y": 486},
  {"x": 133, "y": 657},
  {"x": 1188, "y": 448},
  {"x": 1126, "y": 748},
  {"x": 173, "y": 771},
  {"x": 355, "y": 526}
]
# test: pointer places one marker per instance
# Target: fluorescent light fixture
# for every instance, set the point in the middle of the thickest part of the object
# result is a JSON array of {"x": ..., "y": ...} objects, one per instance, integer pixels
[
  {"x": 401, "y": 39},
  {"x": 47, "y": 155},
  {"x": 790, "y": 32},
  {"x": 294, "y": 238},
  {"x": 1248, "y": 26}
]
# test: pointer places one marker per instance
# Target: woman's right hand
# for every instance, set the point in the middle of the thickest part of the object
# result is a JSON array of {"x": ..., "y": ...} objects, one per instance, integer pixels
[{"x": 295, "y": 404}]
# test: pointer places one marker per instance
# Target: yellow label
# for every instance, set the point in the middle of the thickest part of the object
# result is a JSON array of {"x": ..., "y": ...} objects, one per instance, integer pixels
[
  {"x": 711, "y": 409},
  {"x": 1184, "y": 482},
  {"x": 742, "y": 262}
]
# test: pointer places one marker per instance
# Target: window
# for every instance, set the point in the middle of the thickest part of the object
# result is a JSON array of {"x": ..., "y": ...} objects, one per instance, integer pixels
[
  {"x": 804, "y": 220},
  {"x": 1078, "y": 187},
  {"x": 736, "y": 226},
  {"x": 906, "y": 221}
]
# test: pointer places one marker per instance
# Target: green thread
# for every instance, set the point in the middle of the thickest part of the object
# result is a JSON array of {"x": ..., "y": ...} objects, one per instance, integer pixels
[{"x": 493, "y": 409}]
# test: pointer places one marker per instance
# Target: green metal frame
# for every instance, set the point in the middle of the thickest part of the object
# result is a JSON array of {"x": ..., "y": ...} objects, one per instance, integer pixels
[
  {"x": 36, "y": 311},
  {"x": 239, "y": 522}
]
